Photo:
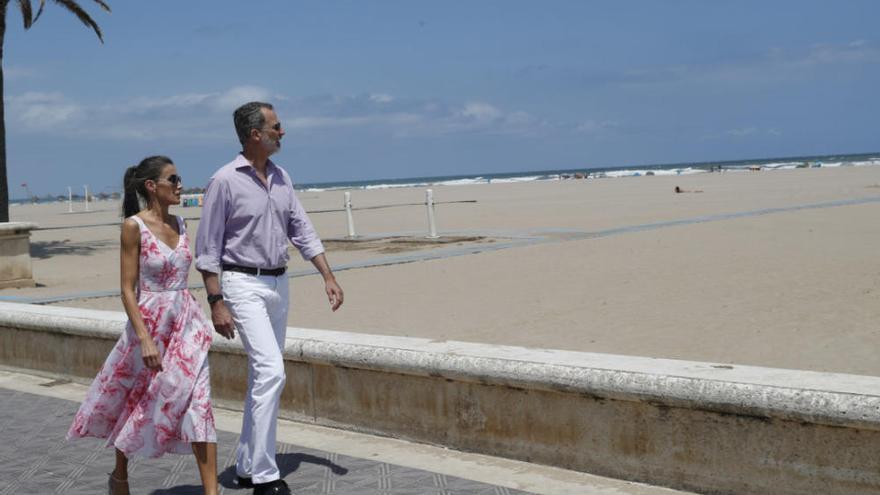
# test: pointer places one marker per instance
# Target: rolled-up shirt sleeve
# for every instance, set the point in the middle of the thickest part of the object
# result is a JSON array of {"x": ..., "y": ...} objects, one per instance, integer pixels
[
  {"x": 212, "y": 227},
  {"x": 301, "y": 232}
]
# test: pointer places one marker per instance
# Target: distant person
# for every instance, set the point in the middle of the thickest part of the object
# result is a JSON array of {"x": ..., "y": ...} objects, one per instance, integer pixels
[
  {"x": 679, "y": 190},
  {"x": 153, "y": 395},
  {"x": 250, "y": 212}
]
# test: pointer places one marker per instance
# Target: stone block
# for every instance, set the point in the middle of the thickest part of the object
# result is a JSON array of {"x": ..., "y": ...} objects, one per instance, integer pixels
[{"x": 16, "y": 269}]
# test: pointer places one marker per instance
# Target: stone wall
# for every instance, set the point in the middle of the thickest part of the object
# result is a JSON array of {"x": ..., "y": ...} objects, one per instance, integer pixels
[{"x": 696, "y": 426}]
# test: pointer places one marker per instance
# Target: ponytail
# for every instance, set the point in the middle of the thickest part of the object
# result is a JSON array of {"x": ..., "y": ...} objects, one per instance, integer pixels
[
  {"x": 134, "y": 182},
  {"x": 130, "y": 202}
]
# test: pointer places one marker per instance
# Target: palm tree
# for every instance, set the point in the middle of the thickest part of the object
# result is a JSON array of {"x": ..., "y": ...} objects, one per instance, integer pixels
[{"x": 29, "y": 18}]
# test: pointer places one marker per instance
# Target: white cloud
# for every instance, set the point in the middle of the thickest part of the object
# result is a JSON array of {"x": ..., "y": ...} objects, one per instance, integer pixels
[
  {"x": 146, "y": 104},
  {"x": 402, "y": 118},
  {"x": 854, "y": 52},
  {"x": 479, "y": 111},
  {"x": 207, "y": 116},
  {"x": 225, "y": 101},
  {"x": 18, "y": 72},
  {"x": 235, "y": 97},
  {"x": 743, "y": 131},
  {"x": 775, "y": 65},
  {"x": 42, "y": 111},
  {"x": 381, "y": 98},
  {"x": 746, "y": 132},
  {"x": 594, "y": 126},
  {"x": 181, "y": 116}
]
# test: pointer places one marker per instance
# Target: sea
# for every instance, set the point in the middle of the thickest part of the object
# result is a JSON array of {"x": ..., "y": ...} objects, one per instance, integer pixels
[
  {"x": 849, "y": 160},
  {"x": 592, "y": 173}
]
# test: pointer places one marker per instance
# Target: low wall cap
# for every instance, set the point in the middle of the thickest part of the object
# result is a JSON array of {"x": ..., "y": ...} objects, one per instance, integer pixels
[{"x": 16, "y": 227}]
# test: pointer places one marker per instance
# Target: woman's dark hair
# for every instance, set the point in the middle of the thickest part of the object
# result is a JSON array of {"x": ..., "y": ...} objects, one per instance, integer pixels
[{"x": 134, "y": 182}]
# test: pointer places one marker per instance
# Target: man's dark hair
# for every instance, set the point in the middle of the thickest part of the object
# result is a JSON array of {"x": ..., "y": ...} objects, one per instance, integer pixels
[{"x": 249, "y": 116}]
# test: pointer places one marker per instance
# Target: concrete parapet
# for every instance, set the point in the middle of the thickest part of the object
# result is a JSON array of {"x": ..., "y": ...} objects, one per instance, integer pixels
[
  {"x": 695, "y": 426},
  {"x": 16, "y": 269}
]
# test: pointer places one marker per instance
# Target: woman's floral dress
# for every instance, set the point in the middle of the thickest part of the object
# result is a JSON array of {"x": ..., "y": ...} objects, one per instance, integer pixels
[{"x": 145, "y": 412}]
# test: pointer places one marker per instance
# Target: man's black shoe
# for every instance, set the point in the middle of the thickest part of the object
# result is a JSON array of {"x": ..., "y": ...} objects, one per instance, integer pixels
[
  {"x": 277, "y": 487},
  {"x": 244, "y": 482}
]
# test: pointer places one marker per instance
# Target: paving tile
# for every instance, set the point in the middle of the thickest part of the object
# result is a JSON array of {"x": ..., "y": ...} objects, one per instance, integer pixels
[{"x": 35, "y": 459}]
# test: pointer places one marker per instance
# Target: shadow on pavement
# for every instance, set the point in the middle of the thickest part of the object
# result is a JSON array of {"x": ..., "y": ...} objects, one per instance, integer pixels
[
  {"x": 180, "y": 490},
  {"x": 287, "y": 464},
  {"x": 48, "y": 249}
]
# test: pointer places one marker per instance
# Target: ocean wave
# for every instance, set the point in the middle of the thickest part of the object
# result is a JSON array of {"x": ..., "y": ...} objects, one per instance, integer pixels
[
  {"x": 395, "y": 186},
  {"x": 529, "y": 178},
  {"x": 646, "y": 172},
  {"x": 782, "y": 165},
  {"x": 462, "y": 182}
]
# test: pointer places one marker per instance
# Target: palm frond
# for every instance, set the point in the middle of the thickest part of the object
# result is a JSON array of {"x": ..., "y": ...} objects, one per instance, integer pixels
[
  {"x": 103, "y": 5},
  {"x": 40, "y": 10},
  {"x": 27, "y": 15},
  {"x": 83, "y": 16}
]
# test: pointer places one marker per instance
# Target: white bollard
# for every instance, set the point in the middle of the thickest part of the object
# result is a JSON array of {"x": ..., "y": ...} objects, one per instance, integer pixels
[
  {"x": 429, "y": 204},
  {"x": 87, "y": 196},
  {"x": 348, "y": 215},
  {"x": 69, "y": 199}
]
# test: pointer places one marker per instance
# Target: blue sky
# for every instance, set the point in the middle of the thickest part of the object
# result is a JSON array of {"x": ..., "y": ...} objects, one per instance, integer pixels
[{"x": 393, "y": 89}]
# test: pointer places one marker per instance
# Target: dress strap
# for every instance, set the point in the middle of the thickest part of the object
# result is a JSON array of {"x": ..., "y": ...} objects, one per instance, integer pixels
[
  {"x": 181, "y": 225},
  {"x": 139, "y": 221}
]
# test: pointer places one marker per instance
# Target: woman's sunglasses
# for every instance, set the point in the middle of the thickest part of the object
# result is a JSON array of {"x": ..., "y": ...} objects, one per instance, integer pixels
[{"x": 174, "y": 179}]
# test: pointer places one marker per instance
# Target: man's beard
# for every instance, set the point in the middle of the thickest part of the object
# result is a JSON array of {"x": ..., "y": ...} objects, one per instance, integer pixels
[{"x": 270, "y": 146}]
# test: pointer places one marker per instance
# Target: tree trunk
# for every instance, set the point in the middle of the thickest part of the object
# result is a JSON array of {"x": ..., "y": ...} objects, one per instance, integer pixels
[{"x": 4, "y": 180}]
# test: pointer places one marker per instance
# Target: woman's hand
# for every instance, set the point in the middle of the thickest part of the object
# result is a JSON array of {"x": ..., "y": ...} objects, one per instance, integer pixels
[{"x": 150, "y": 354}]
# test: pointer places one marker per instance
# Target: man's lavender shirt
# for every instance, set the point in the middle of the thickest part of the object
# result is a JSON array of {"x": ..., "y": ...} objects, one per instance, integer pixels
[{"x": 244, "y": 223}]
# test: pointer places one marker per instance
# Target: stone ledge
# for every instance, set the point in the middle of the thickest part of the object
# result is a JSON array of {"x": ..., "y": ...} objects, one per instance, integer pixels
[
  {"x": 11, "y": 228},
  {"x": 694, "y": 426},
  {"x": 832, "y": 399}
]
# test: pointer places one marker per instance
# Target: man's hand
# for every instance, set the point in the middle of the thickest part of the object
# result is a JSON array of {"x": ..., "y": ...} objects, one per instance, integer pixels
[
  {"x": 222, "y": 320},
  {"x": 334, "y": 293}
]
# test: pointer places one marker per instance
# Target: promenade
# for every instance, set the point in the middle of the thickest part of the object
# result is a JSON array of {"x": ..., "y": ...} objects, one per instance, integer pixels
[{"x": 36, "y": 411}]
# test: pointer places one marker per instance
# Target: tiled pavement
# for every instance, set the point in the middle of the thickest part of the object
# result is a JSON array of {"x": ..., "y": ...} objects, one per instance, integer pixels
[{"x": 35, "y": 459}]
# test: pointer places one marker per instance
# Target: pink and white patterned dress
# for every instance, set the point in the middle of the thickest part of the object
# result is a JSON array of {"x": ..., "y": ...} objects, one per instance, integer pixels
[{"x": 145, "y": 412}]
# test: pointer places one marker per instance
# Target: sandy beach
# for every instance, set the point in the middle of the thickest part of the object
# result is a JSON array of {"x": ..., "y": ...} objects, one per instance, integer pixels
[{"x": 773, "y": 268}]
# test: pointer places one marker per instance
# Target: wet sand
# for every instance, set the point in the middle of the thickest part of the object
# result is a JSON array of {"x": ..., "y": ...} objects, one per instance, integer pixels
[{"x": 773, "y": 268}]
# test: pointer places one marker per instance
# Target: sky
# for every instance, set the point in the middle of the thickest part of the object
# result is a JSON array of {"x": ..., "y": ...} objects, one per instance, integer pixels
[{"x": 414, "y": 88}]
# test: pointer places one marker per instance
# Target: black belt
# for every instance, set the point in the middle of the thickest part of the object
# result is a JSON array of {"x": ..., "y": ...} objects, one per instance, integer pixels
[{"x": 255, "y": 271}]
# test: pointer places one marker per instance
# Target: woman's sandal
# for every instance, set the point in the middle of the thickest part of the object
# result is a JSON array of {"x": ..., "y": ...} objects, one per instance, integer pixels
[{"x": 113, "y": 482}]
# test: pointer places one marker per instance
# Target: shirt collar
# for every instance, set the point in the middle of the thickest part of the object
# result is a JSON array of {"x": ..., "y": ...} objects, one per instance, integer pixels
[{"x": 241, "y": 163}]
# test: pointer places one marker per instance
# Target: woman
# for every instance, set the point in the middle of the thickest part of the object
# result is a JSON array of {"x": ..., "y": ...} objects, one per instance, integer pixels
[{"x": 153, "y": 394}]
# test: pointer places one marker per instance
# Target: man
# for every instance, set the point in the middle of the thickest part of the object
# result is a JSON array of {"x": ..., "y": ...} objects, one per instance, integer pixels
[{"x": 250, "y": 211}]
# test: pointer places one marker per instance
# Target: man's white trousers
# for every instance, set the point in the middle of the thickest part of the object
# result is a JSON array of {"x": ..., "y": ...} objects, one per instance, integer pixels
[{"x": 259, "y": 307}]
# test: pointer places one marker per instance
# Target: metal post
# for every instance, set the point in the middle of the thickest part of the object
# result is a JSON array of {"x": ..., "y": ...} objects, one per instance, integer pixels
[
  {"x": 69, "y": 199},
  {"x": 429, "y": 204},
  {"x": 87, "y": 196},
  {"x": 348, "y": 215}
]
